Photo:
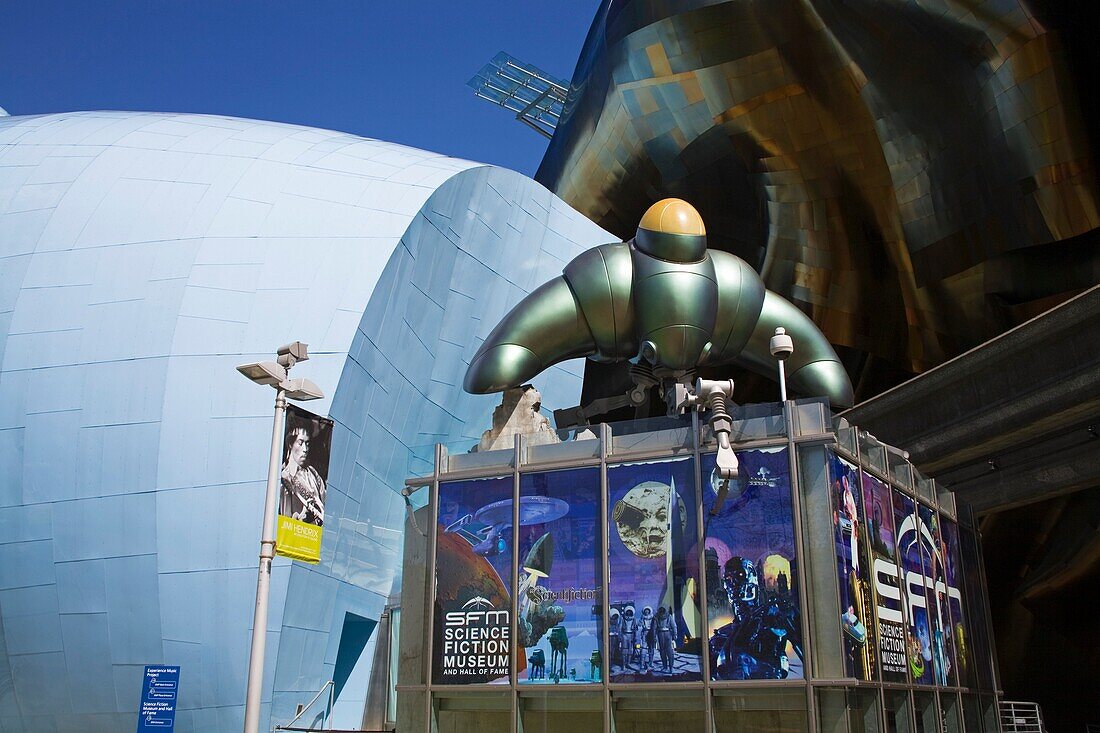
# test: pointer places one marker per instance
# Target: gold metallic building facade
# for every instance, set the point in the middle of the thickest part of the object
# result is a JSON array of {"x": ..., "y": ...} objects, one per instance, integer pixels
[{"x": 914, "y": 175}]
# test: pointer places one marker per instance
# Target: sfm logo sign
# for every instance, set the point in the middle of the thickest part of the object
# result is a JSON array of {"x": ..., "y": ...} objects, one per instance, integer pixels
[
  {"x": 888, "y": 576},
  {"x": 476, "y": 640}
]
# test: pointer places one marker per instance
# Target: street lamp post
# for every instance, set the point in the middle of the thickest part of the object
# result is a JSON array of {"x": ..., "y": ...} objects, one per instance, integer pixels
[{"x": 273, "y": 374}]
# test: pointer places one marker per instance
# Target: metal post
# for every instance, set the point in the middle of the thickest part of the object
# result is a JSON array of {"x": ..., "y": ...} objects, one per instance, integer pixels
[
  {"x": 263, "y": 581},
  {"x": 782, "y": 383}
]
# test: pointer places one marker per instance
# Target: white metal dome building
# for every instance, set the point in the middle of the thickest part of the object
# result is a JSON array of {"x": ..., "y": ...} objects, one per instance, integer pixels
[{"x": 143, "y": 256}]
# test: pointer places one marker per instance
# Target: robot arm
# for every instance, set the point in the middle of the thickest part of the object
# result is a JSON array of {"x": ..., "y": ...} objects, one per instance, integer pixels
[
  {"x": 813, "y": 368},
  {"x": 545, "y": 328}
]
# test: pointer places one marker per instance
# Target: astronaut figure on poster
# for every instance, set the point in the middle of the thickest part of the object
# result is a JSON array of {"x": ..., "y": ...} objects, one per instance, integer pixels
[{"x": 654, "y": 565}]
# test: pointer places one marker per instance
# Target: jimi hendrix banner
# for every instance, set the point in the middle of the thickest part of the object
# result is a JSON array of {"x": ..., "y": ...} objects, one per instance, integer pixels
[{"x": 307, "y": 441}]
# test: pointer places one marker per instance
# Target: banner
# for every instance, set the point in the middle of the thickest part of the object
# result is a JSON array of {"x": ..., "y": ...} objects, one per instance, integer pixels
[
  {"x": 559, "y": 632},
  {"x": 935, "y": 589},
  {"x": 887, "y": 580},
  {"x": 473, "y": 599},
  {"x": 752, "y": 571},
  {"x": 857, "y": 623},
  {"x": 960, "y": 634},
  {"x": 307, "y": 442},
  {"x": 653, "y": 557},
  {"x": 919, "y": 634}
]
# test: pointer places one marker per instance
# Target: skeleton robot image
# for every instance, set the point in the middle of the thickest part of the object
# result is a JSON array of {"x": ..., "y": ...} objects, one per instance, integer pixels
[
  {"x": 754, "y": 644},
  {"x": 664, "y": 301}
]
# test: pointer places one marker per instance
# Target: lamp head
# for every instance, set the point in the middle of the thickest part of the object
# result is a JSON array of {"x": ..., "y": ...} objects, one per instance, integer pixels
[
  {"x": 291, "y": 354},
  {"x": 301, "y": 390},
  {"x": 264, "y": 372}
]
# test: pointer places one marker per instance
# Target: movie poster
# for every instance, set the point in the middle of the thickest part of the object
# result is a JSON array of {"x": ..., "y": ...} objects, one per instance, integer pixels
[
  {"x": 752, "y": 571},
  {"x": 960, "y": 634},
  {"x": 559, "y": 633},
  {"x": 303, "y": 477},
  {"x": 857, "y": 622},
  {"x": 887, "y": 580},
  {"x": 918, "y": 634},
  {"x": 935, "y": 590},
  {"x": 473, "y": 600},
  {"x": 654, "y": 622}
]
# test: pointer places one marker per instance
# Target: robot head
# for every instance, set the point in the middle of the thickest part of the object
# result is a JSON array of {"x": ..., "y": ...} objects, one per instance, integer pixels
[
  {"x": 741, "y": 581},
  {"x": 672, "y": 230}
]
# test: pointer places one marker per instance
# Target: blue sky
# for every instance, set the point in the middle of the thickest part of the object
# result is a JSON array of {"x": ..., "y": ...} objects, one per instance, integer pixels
[{"x": 389, "y": 70}]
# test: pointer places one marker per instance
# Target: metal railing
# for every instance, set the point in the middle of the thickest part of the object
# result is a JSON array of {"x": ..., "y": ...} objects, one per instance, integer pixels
[
  {"x": 326, "y": 714},
  {"x": 1021, "y": 717}
]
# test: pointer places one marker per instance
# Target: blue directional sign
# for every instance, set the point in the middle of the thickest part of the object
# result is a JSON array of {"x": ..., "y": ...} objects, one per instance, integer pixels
[{"x": 158, "y": 699}]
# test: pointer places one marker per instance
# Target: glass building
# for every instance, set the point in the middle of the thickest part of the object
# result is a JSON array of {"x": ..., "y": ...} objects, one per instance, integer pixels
[
  {"x": 142, "y": 257},
  {"x": 600, "y": 583}
]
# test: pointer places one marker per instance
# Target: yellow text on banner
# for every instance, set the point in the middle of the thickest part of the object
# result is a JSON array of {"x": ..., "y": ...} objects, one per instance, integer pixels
[{"x": 298, "y": 540}]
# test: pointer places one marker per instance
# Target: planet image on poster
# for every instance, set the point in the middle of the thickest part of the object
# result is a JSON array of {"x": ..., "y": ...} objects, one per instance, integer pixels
[{"x": 641, "y": 519}]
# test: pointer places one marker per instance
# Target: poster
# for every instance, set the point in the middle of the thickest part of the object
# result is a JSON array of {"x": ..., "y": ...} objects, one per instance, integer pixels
[
  {"x": 887, "y": 580},
  {"x": 918, "y": 633},
  {"x": 473, "y": 599},
  {"x": 559, "y": 630},
  {"x": 960, "y": 634},
  {"x": 752, "y": 570},
  {"x": 654, "y": 622},
  {"x": 857, "y": 622},
  {"x": 303, "y": 477},
  {"x": 935, "y": 590}
]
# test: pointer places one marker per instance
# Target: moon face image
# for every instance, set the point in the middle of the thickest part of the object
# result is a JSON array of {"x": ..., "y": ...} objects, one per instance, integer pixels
[{"x": 641, "y": 519}]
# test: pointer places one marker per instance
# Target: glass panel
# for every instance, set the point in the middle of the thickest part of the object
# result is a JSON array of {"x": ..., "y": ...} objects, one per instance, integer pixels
[
  {"x": 818, "y": 567},
  {"x": 654, "y": 564},
  {"x": 832, "y": 710},
  {"x": 892, "y": 648},
  {"x": 657, "y": 711},
  {"x": 863, "y": 711},
  {"x": 562, "y": 713},
  {"x": 480, "y": 460},
  {"x": 753, "y": 608},
  {"x": 991, "y": 714},
  {"x": 949, "y": 704},
  {"x": 394, "y": 662},
  {"x": 947, "y": 500},
  {"x": 972, "y": 714},
  {"x": 960, "y": 634},
  {"x": 975, "y": 605},
  {"x": 897, "y": 711},
  {"x": 899, "y": 468},
  {"x": 846, "y": 436},
  {"x": 473, "y": 597},
  {"x": 560, "y": 594},
  {"x": 935, "y": 581},
  {"x": 914, "y": 603},
  {"x": 872, "y": 452},
  {"x": 652, "y": 434},
  {"x": 857, "y": 623},
  {"x": 471, "y": 714},
  {"x": 924, "y": 705},
  {"x": 761, "y": 711}
]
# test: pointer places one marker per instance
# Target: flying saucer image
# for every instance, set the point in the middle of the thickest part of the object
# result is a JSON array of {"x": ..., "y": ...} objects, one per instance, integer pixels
[{"x": 532, "y": 510}]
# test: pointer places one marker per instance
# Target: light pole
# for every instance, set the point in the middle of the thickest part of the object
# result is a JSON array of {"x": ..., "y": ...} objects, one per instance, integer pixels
[{"x": 273, "y": 374}]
